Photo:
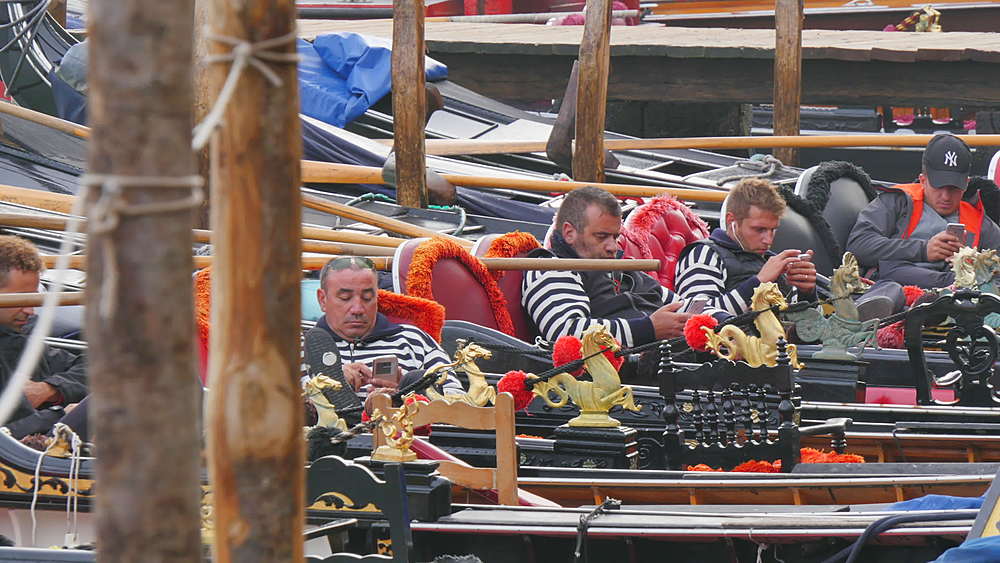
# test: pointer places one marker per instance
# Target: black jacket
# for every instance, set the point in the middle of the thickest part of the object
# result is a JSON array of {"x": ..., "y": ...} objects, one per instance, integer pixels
[{"x": 59, "y": 368}]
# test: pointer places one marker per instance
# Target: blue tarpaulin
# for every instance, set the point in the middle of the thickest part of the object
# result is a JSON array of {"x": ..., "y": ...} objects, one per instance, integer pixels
[
  {"x": 342, "y": 74},
  {"x": 979, "y": 550},
  {"x": 938, "y": 502}
]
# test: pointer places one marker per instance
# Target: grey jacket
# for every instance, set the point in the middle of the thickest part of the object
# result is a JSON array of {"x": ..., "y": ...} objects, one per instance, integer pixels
[{"x": 877, "y": 234}]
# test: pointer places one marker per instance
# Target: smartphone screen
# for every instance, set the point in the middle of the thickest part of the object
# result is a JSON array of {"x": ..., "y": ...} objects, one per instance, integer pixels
[
  {"x": 696, "y": 304},
  {"x": 958, "y": 230},
  {"x": 385, "y": 367}
]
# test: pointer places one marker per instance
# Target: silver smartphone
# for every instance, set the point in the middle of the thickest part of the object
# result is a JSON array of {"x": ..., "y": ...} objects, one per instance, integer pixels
[
  {"x": 957, "y": 230},
  {"x": 696, "y": 304},
  {"x": 385, "y": 367}
]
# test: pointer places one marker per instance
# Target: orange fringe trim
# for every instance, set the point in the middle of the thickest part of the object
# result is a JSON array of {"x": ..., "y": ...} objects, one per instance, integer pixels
[
  {"x": 807, "y": 455},
  {"x": 425, "y": 314},
  {"x": 510, "y": 245},
  {"x": 418, "y": 278}
]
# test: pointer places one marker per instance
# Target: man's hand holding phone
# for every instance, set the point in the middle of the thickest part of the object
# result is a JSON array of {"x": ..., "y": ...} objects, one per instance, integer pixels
[{"x": 383, "y": 373}]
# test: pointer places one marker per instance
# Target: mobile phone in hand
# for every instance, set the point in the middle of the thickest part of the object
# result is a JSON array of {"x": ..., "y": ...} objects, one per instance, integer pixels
[
  {"x": 957, "y": 230},
  {"x": 696, "y": 304},
  {"x": 385, "y": 367}
]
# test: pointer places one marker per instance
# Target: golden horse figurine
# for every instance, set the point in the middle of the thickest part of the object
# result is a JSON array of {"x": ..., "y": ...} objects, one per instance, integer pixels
[
  {"x": 480, "y": 392},
  {"x": 327, "y": 413},
  {"x": 731, "y": 343},
  {"x": 594, "y": 398}
]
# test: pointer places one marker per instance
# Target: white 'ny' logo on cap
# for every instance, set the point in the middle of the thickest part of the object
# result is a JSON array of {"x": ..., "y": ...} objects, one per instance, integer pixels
[{"x": 951, "y": 158}]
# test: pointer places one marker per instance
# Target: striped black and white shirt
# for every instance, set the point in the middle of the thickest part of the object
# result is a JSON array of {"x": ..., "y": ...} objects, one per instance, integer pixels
[
  {"x": 413, "y": 348},
  {"x": 701, "y": 272},
  {"x": 559, "y": 305}
]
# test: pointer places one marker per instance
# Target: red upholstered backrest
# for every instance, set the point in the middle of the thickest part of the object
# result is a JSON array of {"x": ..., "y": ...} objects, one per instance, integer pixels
[
  {"x": 510, "y": 282},
  {"x": 452, "y": 277},
  {"x": 660, "y": 229}
]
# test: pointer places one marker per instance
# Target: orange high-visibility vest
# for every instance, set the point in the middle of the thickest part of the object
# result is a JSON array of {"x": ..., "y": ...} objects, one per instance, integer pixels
[{"x": 969, "y": 215}]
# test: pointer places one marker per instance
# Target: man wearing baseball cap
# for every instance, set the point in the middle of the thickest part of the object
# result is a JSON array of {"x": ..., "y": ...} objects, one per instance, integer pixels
[{"x": 903, "y": 234}]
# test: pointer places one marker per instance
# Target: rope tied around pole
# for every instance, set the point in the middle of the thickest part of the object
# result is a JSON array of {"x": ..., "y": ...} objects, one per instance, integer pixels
[
  {"x": 110, "y": 206},
  {"x": 243, "y": 54}
]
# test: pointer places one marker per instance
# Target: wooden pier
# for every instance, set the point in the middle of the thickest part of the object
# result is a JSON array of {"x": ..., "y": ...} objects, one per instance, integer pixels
[{"x": 670, "y": 64}]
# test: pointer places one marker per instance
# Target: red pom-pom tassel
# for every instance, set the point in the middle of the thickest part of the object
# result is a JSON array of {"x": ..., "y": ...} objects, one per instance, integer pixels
[
  {"x": 693, "y": 333},
  {"x": 515, "y": 383},
  {"x": 891, "y": 336},
  {"x": 567, "y": 348},
  {"x": 912, "y": 293}
]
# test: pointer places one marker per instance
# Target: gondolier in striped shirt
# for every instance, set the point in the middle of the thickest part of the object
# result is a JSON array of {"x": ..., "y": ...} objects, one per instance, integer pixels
[
  {"x": 634, "y": 306},
  {"x": 348, "y": 296},
  {"x": 728, "y": 266}
]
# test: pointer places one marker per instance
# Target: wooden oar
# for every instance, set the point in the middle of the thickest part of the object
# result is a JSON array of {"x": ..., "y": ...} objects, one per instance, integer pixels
[
  {"x": 446, "y": 147},
  {"x": 62, "y": 203},
  {"x": 68, "y": 127},
  {"x": 35, "y": 299},
  {"x": 325, "y": 172},
  {"x": 369, "y": 218},
  {"x": 385, "y": 263},
  {"x": 453, "y": 147},
  {"x": 201, "y": 235}
]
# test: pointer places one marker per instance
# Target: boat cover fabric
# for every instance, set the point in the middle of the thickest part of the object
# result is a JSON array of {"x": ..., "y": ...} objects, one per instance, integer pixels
[
  {"x": 977, "y": 550},
  {"x": 342, "y": 74},
  {"x": 324, "y": 147},
  {"x": 939, "y": 502}
]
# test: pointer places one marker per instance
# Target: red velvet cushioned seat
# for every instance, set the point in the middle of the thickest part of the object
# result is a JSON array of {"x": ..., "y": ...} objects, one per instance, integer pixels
[
  {"x": 660, "y": 229},
  {"x": 441, "y": 270},
  {"x": 511, "y": 245}
]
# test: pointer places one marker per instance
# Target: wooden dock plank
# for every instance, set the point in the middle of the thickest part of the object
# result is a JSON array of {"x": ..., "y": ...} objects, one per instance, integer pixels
[{"x": 659, "y": 63}]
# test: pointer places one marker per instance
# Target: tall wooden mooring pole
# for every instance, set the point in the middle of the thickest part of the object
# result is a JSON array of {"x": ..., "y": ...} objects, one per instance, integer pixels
[
  {"x": 788, "y": 19},
  {"x": 409, "y": 101},
  {"x": 144, "y": 403},
  {"x": 592, "y": 92},
  {"x": 255, "y": 415}
]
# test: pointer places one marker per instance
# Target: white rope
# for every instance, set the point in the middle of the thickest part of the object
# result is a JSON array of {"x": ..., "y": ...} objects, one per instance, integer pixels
[
  {"x": 72, "y": 536},
  {"x": 13, "y": 394},
  {"x": 110, "y": 206},
  {"x": 37, "y": 488},
  {"x": 243, "y": 54}
]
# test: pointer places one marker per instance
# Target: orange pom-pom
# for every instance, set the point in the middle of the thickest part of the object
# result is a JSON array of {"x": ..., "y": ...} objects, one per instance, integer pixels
[
  {"x": 754, "y": 466},
  {"x": 515, "y": 383},
  {"x": 701, "y": 467},
  {"x": 693, "y": 333},
  {"x": 567, "y": 348},
  {"x": 912, "y": 293},
  {"x": 811, "y": 455}
]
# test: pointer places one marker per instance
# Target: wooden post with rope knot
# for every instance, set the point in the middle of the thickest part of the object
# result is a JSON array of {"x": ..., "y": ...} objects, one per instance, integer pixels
[
  {"x": 255, "y": 413},
  {"x": 144, "y": 391}
]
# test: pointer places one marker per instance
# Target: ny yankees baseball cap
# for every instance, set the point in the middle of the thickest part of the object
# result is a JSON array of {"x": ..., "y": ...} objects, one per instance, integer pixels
[{"x": 947, "y": 161}]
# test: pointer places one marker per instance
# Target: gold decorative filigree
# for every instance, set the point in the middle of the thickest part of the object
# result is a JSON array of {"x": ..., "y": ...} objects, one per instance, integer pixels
[
  {"x": 480, "y": 392},
  {"x": 594, "y": 398},
  {"x": 398, "y": 432},
  {"x": 733, "y": 344},
  {"x": 326, "y": 412}
]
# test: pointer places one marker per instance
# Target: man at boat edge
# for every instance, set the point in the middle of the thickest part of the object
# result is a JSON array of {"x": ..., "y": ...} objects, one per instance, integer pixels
[
  {"x": 60, "y": 378},
  {"x": 348, "y": 297},
  {"x": 634, "y": 307},
  {"x": 902, "y": 234}
]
